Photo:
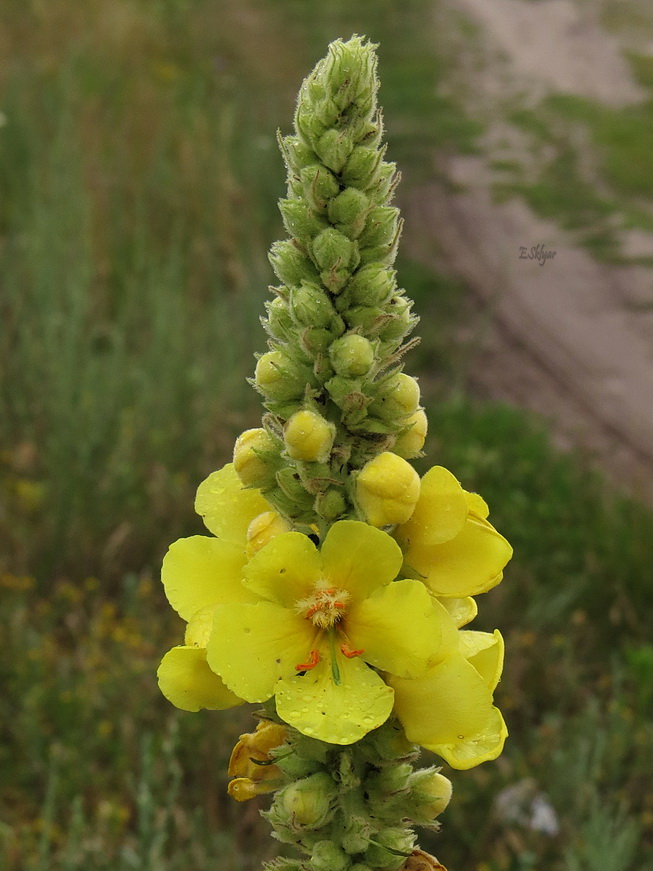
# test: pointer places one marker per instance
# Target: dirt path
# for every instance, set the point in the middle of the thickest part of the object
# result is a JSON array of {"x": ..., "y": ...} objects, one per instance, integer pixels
[{"x": 569, "y": 338}]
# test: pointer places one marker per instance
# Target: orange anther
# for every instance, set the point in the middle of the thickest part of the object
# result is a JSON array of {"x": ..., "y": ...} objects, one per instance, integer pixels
[
  {"x": 314, "y": 658},
  {"x": 339, "y": 605},
  {"x": 348, "y": 652}
]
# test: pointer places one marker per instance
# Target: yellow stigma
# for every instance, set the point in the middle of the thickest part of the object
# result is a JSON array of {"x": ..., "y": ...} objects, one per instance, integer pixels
[{"x": 325, "y": 606}]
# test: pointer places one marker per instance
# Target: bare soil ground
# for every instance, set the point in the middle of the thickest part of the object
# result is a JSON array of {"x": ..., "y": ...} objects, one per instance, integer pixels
[{"x": 569, "y": 338}]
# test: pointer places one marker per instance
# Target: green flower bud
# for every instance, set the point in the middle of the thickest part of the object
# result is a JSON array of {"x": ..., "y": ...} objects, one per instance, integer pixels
[
  {"x": 389, "y": 842},
  {"x": 254, "y": 454},
  {"x": 397, "y": 397},
  {"x": 315, "y": 340},
  {"x": 390, "y": 779},
  {"x": 361, "y": 169},
  {"x": 380, "y": 227},
  {"x": 291, "y": 485},
  {"x": 290, "y": 265},
  {"x": 335, "y": 279},
  {"x": 371, "y": 285},
  {"x": 326, "y": 856},
  {"x": 279, "y": 323},
  {"x": 347, "y": 393},
  {"x": 296, "y": 154},
  {"x": 402, "y": 321},
  {"x": 309, "y": 437},
  {"x": 297, "y": 766},
  {"x": 280, "y": 378},
  {"x": 430, "y": 792},
  {"x": 310, "y": 305},
  {"x": 334, "y": 148},
  {"x": 410, "y": 441},
  {"x": 308, "y": 125},
  {"x": 319, "y": 185},
  {"x": 299, "y": 219},
  {"x": 309, "y": 801},
  {"x": 352, "y": 356},
  {"x": 349, "y": 71},
  {"x": 387, "y": 179},
  {"x": 369, "y": 319},
  {"x": 349, "y": 211},
  {"x": 332, "y": 250},
  {"x": 387, "y": 490},
  {"x": 331, "y": 504}
]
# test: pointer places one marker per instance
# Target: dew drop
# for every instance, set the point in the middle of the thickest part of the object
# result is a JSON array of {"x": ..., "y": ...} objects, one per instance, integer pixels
[{"x": 308, "y": 730}]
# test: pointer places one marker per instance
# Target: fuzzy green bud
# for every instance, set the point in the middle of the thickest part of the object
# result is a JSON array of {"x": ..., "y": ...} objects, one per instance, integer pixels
[
  {"x": 290, "y": 265},
  {"x": 385, "y": 182},
  {"x": 320, "y": 186},
  {"x": 361, "y": 170},
  {"x": 311, "y": 306},
  {"x": 296, "y": 154},
  {"x": 349, "y": 72},
  {"x": 292, "y": 487},
  {"x": 299, "y": 219},
  {"x": 308, "y": 436},
  {"x": 334, "y": 148},
  {"x": 349, "y": 211},
  {"x": 371, "y": 285},
  {"x": 326, "y": 856},
  {"x": 390, "y": 841},
  {"x": 279, "y": 378},
  {"x": 331, "y": 504},
  {"x": 387, "y": 490},
  {"x": 352, "y": 356},
  {"x": 409, "y": 442},
  {"x": 397, "y": 397},
  {"x": 347, "y": 393},
  {"x": 430, "y": 792},
  {"x": 402, "y": 321},
  {"x": 278, "y": 323},
  {"x": 380, "y": 227},
  {"x": 252, "y": 454},
  {"x": 332, "y": 250},
  {"x": 309, "y": 801}
]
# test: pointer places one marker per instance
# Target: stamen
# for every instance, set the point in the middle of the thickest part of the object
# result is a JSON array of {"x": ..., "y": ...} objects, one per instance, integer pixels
[
  {"x": 335, "y": 671},
  {"x": 314, "y": 658},
  {"x": 348, "y": 652}
]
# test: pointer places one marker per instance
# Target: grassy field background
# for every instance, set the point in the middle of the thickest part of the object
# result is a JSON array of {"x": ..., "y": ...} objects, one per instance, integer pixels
[{"x": 138, "y": 183}]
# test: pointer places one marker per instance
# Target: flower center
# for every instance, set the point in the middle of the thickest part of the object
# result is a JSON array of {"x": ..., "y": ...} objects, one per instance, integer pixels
[{"x": 325, "y": 606}]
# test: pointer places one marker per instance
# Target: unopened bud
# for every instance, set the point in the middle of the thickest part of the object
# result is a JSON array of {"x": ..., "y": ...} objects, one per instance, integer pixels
[
  {"x": 361, "y": 169},
  {"x": 331, "y": 504},
  {"x": 278, "y": 323},
  {"x": 296, "y": 153},
  {"x": 309, "y": 800},
  {"x": 326, "y": 856},
  {"x": 387, "y": 490},
  {"x": 279, "y": 378},
  {"x": 402, "y": 321},
  {"x": 299, "y": 219},
  {"x": 309, "y": 437},
  {"x": 352, "y": 356},
  {"x": 381, "y": 227},
  {"x": 290, "y": 265},
  {"x": 409, "y": 442},
  {"x": 334, "y": 148},
  {"x": 349, "y": 211},
  {"x": 431, "y": 792},
  {"x": 347, "y": 393},
  {"x": 370, "y": 319},
  {"x": 320, "y": 186},
  {"x": 397, "y": 397},
  {"x": 332, "y": 250},
  {"x": 263, "y": 528},
  {"x": 254, "y": 453},
  {"x": 385, "y": 182},
  {"x": 371, "y": 285},
  {"x": 390, "y": 842},
  {"x": 311, "y": 306}
]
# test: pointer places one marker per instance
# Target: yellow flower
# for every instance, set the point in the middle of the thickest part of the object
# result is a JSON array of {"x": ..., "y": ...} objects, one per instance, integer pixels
[
  {"x": 321, "y": 619},
  {"x": 251, "y": 764},
  {"x": 387, "y": 490},
  {"x": 199, "y": 573},
  {"x": 449, "y": 708},
  {"x": 448, "y": 542}
]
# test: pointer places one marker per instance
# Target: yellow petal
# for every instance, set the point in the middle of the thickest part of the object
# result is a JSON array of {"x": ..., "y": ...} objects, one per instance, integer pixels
[
  {"x": 484, "y": 650},
  {"x": 336, "y": 713},
  {"x": 186, "y": 680},
  {"x": 252, "y": 646},
  {"x": 450, "y": 712},
  {"x": 462, "y": 611},
  {"x": 201, "y": 571},
  {"x": 285, "y": 570},
  {"x": 199, "y": 627},
  {"x": 477, "y": 505},
  {"x": 398, "y": 627},
  {"x": 469, "y": 564},
  {"x": 226, "y": 507},
  {"x": 359, "y": 558},
  {"x": 440, "y": 512}
]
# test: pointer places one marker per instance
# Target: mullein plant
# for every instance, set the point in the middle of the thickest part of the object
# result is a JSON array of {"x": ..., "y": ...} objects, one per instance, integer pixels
[{"x": 335, "y": 585}]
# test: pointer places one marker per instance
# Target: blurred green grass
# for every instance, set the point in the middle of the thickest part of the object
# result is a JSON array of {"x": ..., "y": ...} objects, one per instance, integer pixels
[{"x": 138, "y": 182}]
